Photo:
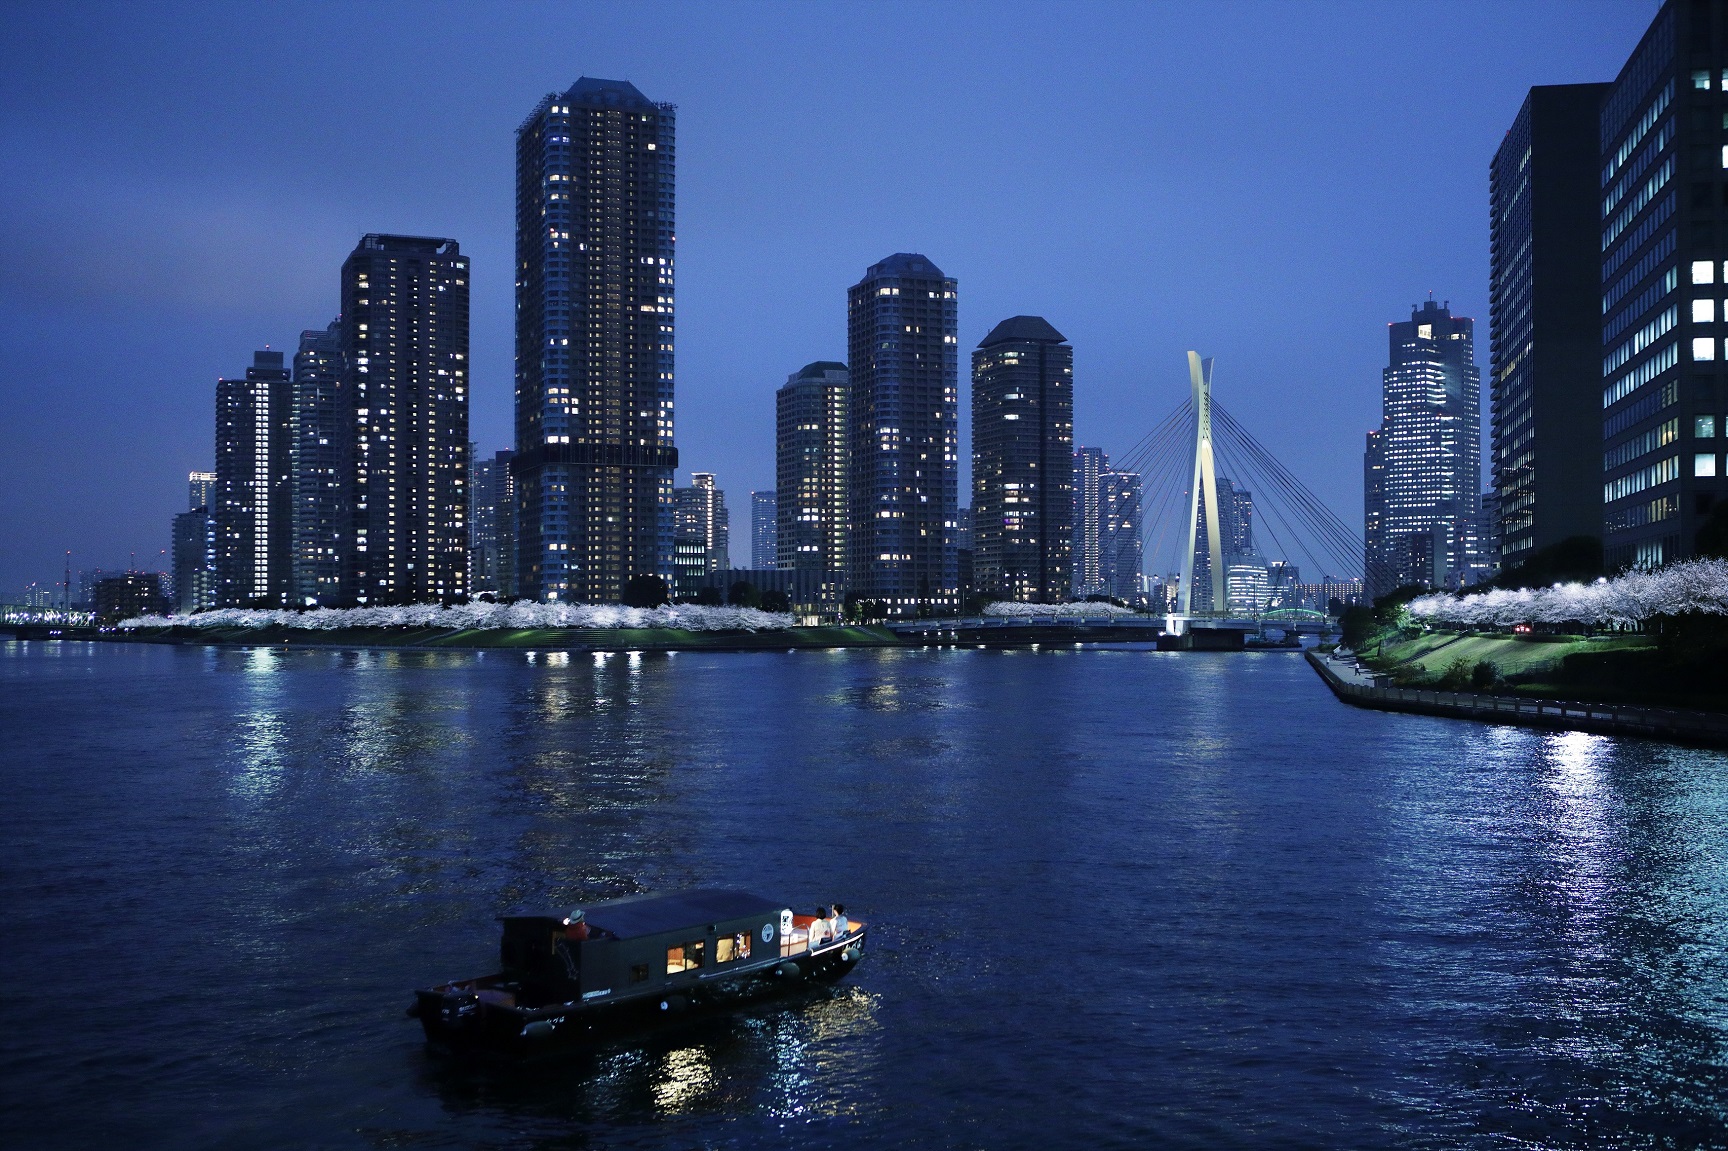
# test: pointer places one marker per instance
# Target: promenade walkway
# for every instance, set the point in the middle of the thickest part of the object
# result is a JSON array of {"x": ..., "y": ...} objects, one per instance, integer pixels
[{"x": 1360, "y": 687}]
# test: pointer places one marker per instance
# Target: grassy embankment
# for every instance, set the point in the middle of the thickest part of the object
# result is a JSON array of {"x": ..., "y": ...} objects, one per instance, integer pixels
[
  {"x": 545, "y": 639},
  {"x": 1683, "y": 666}
]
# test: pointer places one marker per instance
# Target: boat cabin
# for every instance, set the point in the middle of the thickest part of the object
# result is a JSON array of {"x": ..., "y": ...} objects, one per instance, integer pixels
[{"x": 643, "y": 944}]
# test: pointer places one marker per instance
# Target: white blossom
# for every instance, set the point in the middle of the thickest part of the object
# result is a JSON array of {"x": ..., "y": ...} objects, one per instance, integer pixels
[
  {"x": 522, "y": 614},
  {"x": 1058, "y": 610},
  {"x": 1693, "y": 586}
]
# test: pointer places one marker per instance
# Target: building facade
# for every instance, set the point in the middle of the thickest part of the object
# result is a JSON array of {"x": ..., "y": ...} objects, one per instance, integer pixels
[
  {"x": 1086, "y": 549},
  {"x": 1545, "y": 324},
  {"x": 1022, "y": 461},
  {"x": 1422, "y": 468},
  {"x": 700, "y": 515},
  {"x": 1664, "y": 286},
  {"x": 253, "y": 505},
  {"x": 811, "y": 474},
  {"x": 904, "y": 436},
  {"x": 321, "y": 447},
  {"x": 1236, "y": 547},
  {"x": 404, "y": 339},
  {"x": 1120, "y": 538},
  {"x": 491, "y": 526},
  {"x": 594, "y": 339},
  {"x": 764, "y": 531}
]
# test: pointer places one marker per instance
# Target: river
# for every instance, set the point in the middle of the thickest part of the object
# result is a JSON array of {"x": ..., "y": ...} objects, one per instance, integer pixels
[{"x": 1117, "y": 898}]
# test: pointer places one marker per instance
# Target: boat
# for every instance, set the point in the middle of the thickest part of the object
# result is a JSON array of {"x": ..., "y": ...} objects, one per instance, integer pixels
[{"x": 615, "y": 968}]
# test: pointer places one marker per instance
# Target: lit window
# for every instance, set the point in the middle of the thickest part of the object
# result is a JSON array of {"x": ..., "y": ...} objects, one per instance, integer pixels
[
  {"x": 1704, "y": 464},
  {"x": 1703, "y": 311},
  {"x": 1701, "y": 79},
  {"x": 1725, "y": 155},
  {"x": 1704, "y": 427},
  {"x": 1704, "y": 348},
  {"x": 1703, "y": 271}
]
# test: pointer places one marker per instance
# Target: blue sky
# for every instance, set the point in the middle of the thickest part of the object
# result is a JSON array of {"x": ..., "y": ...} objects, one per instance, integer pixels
[{"x": 1268, "y": 183}]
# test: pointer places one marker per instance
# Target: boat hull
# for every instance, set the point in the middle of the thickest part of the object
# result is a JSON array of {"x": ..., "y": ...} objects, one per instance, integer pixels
[{"x": 458, "y": 1018}]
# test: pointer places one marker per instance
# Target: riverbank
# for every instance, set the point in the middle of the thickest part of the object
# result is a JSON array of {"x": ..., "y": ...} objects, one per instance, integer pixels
[
  {"x": 1364, "y": 688},
  {"x": 517, "y": 639}
]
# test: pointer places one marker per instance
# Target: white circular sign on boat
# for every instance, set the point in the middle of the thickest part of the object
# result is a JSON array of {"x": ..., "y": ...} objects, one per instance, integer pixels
[{"x": 767, "y": 933}]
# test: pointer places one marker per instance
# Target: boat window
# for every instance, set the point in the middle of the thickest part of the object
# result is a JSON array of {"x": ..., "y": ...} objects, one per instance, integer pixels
[
  {"x": 639, "y": 973},
  {"x": 684, "y": 957},
  {"x": 730, "y": 947}
]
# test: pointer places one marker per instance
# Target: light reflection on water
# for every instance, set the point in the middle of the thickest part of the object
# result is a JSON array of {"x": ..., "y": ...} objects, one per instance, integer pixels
[{"x": 1117, "y": 899}]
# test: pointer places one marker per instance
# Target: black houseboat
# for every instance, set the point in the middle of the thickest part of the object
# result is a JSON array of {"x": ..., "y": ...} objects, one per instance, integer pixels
[{"x": 623, "y": 965}]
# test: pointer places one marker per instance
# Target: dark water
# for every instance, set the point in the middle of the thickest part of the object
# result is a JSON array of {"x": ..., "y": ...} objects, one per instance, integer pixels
[{"x": 1118, "y": 899}]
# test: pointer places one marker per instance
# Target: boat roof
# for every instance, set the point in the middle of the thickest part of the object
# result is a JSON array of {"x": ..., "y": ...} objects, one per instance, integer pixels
[{"x": 638, "y": 915}]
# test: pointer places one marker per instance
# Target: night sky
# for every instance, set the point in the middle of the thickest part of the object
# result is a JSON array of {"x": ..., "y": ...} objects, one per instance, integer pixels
[{"x": 1268, "y": 183}]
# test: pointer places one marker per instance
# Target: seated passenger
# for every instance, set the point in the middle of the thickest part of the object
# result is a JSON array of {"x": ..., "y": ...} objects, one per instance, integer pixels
[
  {"x": 838, "y": 924},
  {"x": 818, "y": 927},
  {"x": 576, "y": 926}
]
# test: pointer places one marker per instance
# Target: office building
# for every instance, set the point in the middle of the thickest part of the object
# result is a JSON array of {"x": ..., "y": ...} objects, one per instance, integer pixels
[
  {"x": 904, "y": 439},
  {"x": 1422, "y": 467},
  {"x": 404, "y": 349},
  {"x": 320, "y": 440},
  {"x": 1545, "y": 325},
  {"x": 764, "y": 529},
  {"x": 1022, "y": 461},
  {"x": 1664, "y": 286},
  {"x": 491, "y": 526},
  {"x": 700, "y": 515},
  {"x": 594, "y": 338},
  {"x": 810, "y": 475},
  {"x": 254, "y": 499}
]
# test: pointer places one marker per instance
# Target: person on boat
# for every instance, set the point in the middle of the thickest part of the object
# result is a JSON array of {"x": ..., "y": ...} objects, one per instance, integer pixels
[
  {"x": 838, "y": 924},
  {"x": 576, "y": 926},
  {"x": 818, "y": 928}
]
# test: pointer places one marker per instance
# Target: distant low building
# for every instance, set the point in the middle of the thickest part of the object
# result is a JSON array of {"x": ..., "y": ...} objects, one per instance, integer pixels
[
  {"x": 129, "y": 595},
  {"x": 803, "y": 588}
]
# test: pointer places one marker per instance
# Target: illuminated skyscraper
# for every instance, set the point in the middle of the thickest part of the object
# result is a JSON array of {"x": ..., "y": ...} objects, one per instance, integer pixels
[
  {"x": 700, "y": 514},
  {"x": 1088, "y": 572},
  {"x": 1545, "y": 324},
  {"x": 763, "y": 530},
  {"x": 1023, "y": 461},
  {"x": 321, "y": 442},
  {"x": 1423, "y": 496},
  {"x": 404, "y": 338},
  {"x": 594, "y": 338},
  {"x": 903, "y": 410},
  {"x": 254, "y": 498},
  {"x": 810, "y": 473}
]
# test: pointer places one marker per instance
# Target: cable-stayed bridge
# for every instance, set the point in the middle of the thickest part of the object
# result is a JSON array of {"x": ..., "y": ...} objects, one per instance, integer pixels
[{"x": 1218, "y": 508}]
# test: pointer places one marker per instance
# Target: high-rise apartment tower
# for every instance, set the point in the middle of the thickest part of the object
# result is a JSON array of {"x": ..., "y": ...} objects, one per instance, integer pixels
[
  {"x": 810, "y": 474},
  {"x": 254, "y": 498},
  {"x": 321, "y": 447},
  {"x": 1023, "y": 461},
  {"x": 904, "y": 439},
  {"x": 404, "y": 337},
  {"x": 594, "y": 328}
]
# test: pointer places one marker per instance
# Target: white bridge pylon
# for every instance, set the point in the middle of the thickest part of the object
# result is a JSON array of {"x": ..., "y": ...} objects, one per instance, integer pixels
[{"x": 1204, "y": 489}]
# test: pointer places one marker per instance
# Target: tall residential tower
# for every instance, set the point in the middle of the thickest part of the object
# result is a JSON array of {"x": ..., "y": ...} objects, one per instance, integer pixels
[
  {"x": 1022, "y": 461},
  {"x": 810, "y": 474},
  {"x": 322, "y": 445},
  {"x": 252, "y": 516},
  {"x": 904, "y": 439},
  {"x": 594, "y": 289},
  {"x": 404, "y": 337}
]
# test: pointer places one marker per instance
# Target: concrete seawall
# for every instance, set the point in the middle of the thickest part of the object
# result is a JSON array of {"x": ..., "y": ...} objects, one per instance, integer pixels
[{"x": 1678, "y": 725}]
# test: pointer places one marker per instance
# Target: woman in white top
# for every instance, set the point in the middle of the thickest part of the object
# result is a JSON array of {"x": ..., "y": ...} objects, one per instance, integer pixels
[{"x": 818, "y": 928}]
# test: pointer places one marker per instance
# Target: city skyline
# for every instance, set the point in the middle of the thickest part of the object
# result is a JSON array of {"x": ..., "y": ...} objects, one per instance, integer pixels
[{"x": 725, "y": 422}]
